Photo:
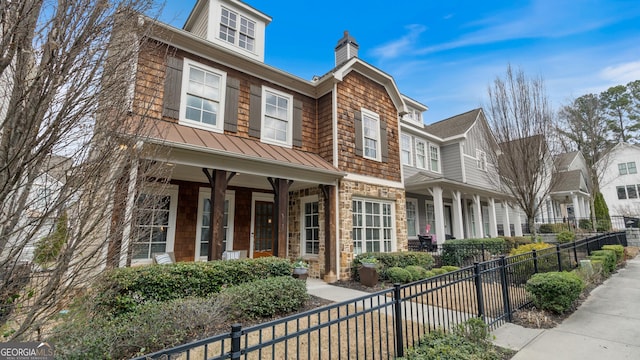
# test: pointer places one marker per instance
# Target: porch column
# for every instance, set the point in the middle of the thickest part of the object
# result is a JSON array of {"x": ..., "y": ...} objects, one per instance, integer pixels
[
  {"x": 477, "y": 210},
  {"x": 506, "y": 225},
  {"x": 438, "y": 206},
  {"x": 517, "y": 224},
  {"x": 218, "y": 181},
  {"x": 330, "y": 260},
  {"x": 281, "y": 214},
  {"x": 124, "y": 259},
  {"x": 577, "y": 212},
  {"x": 493, "y": 224},
  {"x": 458, "y": 230}
]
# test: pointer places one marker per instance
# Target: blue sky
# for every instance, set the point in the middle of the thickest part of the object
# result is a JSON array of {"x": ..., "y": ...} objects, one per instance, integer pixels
[{"x": 446, "y": 53}]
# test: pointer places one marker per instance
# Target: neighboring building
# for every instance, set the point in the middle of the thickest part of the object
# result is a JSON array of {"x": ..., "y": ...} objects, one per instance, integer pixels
[
  {"x": 569, "y": 198},
  {"x": 620, "y": 183}
]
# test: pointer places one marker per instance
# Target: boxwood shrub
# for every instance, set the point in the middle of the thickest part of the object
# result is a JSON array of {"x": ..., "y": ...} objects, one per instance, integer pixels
[
  {"x": 122, "y": 290},
  {"x": 554, "y": 291},
  {"x": 608, "y": 258},
  {"x": 618, "y": 250},
  {"x": 463, "y": 252},
  {"x": 398, "y": 275},
  {"x": 565, "y": 236},
  {"x": 417, "y": 272},
  {"x": 393, "y": 259}
]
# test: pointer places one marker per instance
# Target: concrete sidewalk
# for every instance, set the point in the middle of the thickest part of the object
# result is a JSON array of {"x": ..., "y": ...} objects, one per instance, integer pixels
[{"x": 605, "y": 326}]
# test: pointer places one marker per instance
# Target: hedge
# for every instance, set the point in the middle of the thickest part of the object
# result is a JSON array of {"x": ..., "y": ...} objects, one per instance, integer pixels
[
  {"x": 122, "y": 290},
  {"x": 393, "y": 259},
  {"x": 417, "y": 272},
  {"x": 608, "y": 258},
  {"x": 565, "y": 236},
  {"x": 617, "y": 249},
  {"x": 554, "y": 291},
  {"x": 461, "y": 252},
  {"x": 398, "y": 275}
]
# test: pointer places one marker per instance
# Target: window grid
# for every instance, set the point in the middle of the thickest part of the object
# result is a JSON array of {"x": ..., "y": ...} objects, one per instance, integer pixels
[
  {"x": 311, "y": 228},
  {"x": 153, "y": 225},
  {"x": 276, "y": 118},
  {"x": 242, "y": 36},
  {"x": 431, "y": 218},
  {"x": 625, "y": 192},
  {"x": 435, "y": 158},
  {"x": 421, "y": 154},
  {"x": 205, "y": 235},
  {"x": 372, "y": 226},
  {"x": 412, "y": 217},
  {"x": 406, "y": 150},
  {"x": 481, "y": 159},
  {"x": 371, "y": 135},
  {"x": 203, "y": 96}
]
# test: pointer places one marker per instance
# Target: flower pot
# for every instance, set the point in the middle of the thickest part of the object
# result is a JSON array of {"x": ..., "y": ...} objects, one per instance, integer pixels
[
  {"x": 368, "y": 276},
  {"x": 300, "y": 271},
  {"x": 369, "y": 265}
]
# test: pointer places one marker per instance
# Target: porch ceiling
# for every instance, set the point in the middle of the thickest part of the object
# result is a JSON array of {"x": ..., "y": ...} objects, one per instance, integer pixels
[
  {"x": 191, "y": 149},
  {"x": 421, "y": 182}
]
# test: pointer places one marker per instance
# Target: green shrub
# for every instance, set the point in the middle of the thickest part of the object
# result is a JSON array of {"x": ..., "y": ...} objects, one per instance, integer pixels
[
  {"x": 585, "y": 224},
  {"x": 608, "y": 258},
  {"x": 151, "y": 327},
  {"x": 395, "y": 259},
  {"x": 565, "y": 236},
  {"x": 618, "y": 250},
  {"x": 515, "y": 241},
  {"x": 439, "y": 271},
  {"x": 528, "y": 248},
  {"x": 398, "y": 275},
  {"x": 430, "y": 274},
  {"x": 122, "y": 290},
  {"x": 554, "y": 291},
  {"x": 417, "y": 272},
  {"x": 450, "y": 268},
  {"x": 265, "y": 298},
  {"x": 553, "y": 228},
  {"x": 461, "y": 252},
  {"x": 48, "y": 248}
]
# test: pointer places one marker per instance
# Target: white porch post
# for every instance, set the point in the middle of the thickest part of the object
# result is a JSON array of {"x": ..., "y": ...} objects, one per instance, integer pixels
[
  {"x": 517, "y": 224},
  {"x": 438, "y": 206},
  {"x": 458, "y": 230},
  {"x": 506, "y": 225},
  {"x": 128, "y": 215},
  {"x": 477, "y": 210},
  {"x": 493, "y": 223},
  {"x": 577, "y": 212}
]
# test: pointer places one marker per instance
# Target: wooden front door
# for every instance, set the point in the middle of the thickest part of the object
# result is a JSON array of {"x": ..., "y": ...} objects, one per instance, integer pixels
[{"x": 263, "y": 229}]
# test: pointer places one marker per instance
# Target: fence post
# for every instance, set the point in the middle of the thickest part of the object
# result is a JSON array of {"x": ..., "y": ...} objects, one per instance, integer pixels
[
  {"x": 505, "y": 287},
  {"x": 397, "y": 305},
  {"x": 575, "y": 253},
  {"x": 588, "y": 249},
  {"x": 599, "y": 244},
  {"x": 535, "y": 261},
  {"x": 479, "y": 296},
  {"x": 558, "y": 256},
  {"x": 236, "y": 332}
]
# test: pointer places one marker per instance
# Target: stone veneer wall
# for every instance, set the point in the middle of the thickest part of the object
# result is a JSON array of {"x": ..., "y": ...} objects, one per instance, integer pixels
[
  {"x": 347, "y": 191},
  {"x": 633, "y": 237},
  {"x": 316, "y": 262}
]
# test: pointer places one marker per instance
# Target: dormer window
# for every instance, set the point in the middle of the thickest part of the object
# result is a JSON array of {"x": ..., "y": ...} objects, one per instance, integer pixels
[
  {"x": 237, "y": 30},
  {"x": 413, "y": 116}
]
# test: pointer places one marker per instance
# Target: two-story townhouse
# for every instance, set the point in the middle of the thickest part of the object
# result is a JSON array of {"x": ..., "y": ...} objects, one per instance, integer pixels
[
  {"x": 620, "y": 182},
  {"x": 262, "y": 162},
  {"x": 448, "y": 178},
  {"x": 570, "y": 195}
]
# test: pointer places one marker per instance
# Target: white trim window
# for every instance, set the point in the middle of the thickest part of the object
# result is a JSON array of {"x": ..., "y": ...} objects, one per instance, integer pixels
[
  {"x": 434, "y": 153},
  {"x": 413, "y": 116},
  {"x": 237, "y": 29},
  {"x": 277, "y": 122},
  {"x": 406, "y": 150},
  {"x": 627, "y": 168},
  {"x": 310, "y": 226},
  {"x": 204, "y": 215},
  {"x": 203, "y": 91},
  {"x": 412, "y": 217},
  {"x": 373, "y": 226},
  {"x": 156, "y": 209},
  {"x": 421, "y": 154},
  {"x": 430, "y": 217},
  {"x": 371, "y": 135},
  {"x": 481, "y": 160}
]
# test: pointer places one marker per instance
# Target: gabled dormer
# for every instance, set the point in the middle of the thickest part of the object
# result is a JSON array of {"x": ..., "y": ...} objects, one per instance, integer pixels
[{"x": 231, "y": 24}]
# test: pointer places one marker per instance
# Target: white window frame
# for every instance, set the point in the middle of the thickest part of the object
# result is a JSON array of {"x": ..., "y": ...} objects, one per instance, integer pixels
[
  {"x": 238, "y": 29},
  {"x": 205, "y": 193},
  {"x": 289, "y": 140},
  {"x": 481, "y": 160},
  {"x": 376, "y": 120},
  {"x": 430, "y": 216},
  {"x": 631, "y": 167},
  {"x": 219, "y": 126},
  {"x": 163, "y": 190},
  {"x": 384, "y": 244},
  {"x": 436, "y": 158},
  {"x": 423, "y": 154},
  {"x": 303, "y": 226},
  {"x": 416, "y": 220},
  {"x": 414, "y": 116},
  {"x": 408, "y": 150}
]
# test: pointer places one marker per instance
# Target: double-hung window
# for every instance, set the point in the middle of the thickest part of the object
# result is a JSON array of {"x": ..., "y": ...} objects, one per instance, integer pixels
[
  {"x": 202, "y": 93},
  {"x": 407, "y": 153},
  {"x": 155, "y": 222},
  {"x": 373, "y": 226},
  {"x": 412, "y": 217},
  {"x": 203, "y": 230},
  {"x": 481, "y": 160},
  {"x": 310, "y": 226},
  {"x": 277, "y": 123},
  {"x": 371, "y": 135},
  {"x": 627, "y": 168},
  {"x": 435, "y": 158},
  {"x": 421, "y": 154},
  {"x": 237, "y": 29}
]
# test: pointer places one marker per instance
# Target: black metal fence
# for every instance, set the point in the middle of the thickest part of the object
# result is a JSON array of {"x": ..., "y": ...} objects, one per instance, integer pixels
[{"x": 384, "y": 324}]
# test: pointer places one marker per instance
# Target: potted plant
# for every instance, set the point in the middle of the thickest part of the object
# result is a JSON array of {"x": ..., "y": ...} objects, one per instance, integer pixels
[
  {"x": 300, "y": 269},
  {"x": 368, "y": 273},
  {"x": 368, "y": 261}
]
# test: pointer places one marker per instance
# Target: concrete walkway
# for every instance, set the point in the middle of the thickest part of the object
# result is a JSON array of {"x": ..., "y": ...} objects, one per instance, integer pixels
[{"x": 605, "y": 326}]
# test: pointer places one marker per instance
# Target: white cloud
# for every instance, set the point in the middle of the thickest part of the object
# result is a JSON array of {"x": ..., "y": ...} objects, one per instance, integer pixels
[
  {"x": 401, "y": 46},
  {"x": 622, "y": 73}
]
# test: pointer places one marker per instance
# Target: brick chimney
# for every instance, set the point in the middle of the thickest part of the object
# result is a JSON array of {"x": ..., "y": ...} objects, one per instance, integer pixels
[{"x": 346, "y": 48}]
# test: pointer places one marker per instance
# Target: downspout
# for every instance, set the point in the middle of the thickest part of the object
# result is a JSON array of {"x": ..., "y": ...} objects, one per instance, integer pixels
[{"x": 334, "y": 110}]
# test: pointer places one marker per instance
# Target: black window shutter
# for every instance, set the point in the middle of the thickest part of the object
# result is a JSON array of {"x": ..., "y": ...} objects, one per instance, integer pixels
[
  {"x": 297, "y": 122},
  {"x": 357, "y": 124},
  {"x": 231, "y": 105},
  {"x": 172, "y": 88},
  {"x": 255, "y": 110},
  {"x": 384, "y": 145}
]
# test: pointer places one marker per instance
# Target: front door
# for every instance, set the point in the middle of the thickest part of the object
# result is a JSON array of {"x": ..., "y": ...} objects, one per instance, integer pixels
[
  {"x": 447, "y": 220},
  {"x": 263, "y": 229}
]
